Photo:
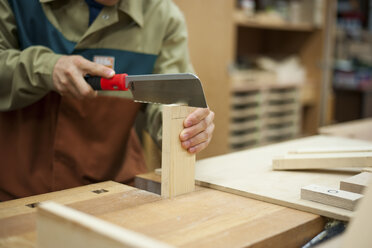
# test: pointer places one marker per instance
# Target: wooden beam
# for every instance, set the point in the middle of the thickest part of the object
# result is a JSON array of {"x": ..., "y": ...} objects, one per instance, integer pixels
[
  {"x": 331, "y": 150},
  {"x": 178, "y": 165},
  {"x": 357, "y": 183},
  {"x": 59, "y": 226},
  {"x": 322, "y": 160},
  {"x": 367, "y": 170},
  {"x": 333, "y": 197}
]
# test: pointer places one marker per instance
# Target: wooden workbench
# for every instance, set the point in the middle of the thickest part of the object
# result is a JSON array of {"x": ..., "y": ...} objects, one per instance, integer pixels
[{"x": 204, "y": 218}]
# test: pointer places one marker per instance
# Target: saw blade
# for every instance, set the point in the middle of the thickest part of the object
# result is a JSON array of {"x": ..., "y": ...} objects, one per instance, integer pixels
[{"x": 184, "y": 89}]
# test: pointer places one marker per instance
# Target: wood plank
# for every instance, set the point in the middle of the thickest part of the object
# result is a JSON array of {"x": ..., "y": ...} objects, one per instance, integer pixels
[
  {"x": 331, "y": 150},
  {"x": 249, "y": 173},
  {"x": 59, "y": 226},
  {"x": 298, "y": 161},
  {"x": 367, "y": 170},
  {"x": 178, "y": 165},
  {"x": 357, "y": 183},
  {"x": 330, "y": 196}
]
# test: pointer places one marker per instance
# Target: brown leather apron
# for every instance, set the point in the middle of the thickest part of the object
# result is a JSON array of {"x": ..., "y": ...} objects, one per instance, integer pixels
[{"x": 59, "y": 142}]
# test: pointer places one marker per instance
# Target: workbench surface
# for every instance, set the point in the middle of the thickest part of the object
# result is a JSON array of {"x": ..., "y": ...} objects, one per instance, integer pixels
[{"x": 204, "y": 218}]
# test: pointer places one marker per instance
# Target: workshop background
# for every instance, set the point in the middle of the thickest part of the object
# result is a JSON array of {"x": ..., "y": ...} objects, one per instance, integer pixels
[{"x": 275, "y": 70}]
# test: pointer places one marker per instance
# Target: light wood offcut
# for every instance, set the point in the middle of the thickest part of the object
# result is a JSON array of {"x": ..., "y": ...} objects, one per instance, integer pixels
[{"x": 178, "y": 165}]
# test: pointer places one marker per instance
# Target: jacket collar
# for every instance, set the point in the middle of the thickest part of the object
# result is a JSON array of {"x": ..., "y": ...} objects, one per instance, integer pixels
[{"x": 133, "y": 8}]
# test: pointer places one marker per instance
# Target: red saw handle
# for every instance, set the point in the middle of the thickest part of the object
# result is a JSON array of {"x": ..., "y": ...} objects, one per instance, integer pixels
[{"x": 117, "y": 82}]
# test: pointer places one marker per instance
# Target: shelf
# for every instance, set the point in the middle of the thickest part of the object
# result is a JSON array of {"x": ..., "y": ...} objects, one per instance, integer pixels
[{"x": 242, "y": 20}]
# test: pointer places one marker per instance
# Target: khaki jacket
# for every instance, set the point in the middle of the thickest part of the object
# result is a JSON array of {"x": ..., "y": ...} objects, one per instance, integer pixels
[{"x": 49, "y": 142}]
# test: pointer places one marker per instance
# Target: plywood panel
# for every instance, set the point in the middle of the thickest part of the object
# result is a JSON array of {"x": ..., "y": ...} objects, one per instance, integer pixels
[{"x": 249, "y": 173}]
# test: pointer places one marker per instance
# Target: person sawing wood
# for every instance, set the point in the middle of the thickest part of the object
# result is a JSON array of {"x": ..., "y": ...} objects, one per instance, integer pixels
[{"x": 55, "y": 131}]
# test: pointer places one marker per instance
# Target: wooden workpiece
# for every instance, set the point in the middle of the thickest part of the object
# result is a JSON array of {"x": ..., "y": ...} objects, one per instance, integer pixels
[
  {"x": 323, "y": 160},
  {"x": 330, "y": 196},
  {"x": 249, "y": 173},
  {"x": 357, "y": 183},
  {"x": 178, "y": 165},
  {"x": 203, "y": 218}
]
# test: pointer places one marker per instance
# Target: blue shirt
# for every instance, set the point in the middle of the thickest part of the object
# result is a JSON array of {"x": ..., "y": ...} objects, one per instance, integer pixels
[{"x": 94, "y": 9}]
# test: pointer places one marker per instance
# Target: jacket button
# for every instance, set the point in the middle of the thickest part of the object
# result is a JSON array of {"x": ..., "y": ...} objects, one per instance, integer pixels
[{"x": 105, "y": 17}]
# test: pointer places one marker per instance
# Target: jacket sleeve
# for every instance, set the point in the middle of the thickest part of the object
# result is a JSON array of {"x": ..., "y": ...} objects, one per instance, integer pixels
[
  {"x": 25, "y": 76},
  {"x": 173, "y": 58}
]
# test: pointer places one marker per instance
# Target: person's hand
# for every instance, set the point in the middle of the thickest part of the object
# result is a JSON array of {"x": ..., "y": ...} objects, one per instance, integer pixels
[
  {"x": 69, "y": 72},
  {"x": 198, "y": 130}
]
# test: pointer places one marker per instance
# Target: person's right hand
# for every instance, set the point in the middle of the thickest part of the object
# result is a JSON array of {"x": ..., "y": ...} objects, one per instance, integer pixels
[{"x": 69, "y": 72}]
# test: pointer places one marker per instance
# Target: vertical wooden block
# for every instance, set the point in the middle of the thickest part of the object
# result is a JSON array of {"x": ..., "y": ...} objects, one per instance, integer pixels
[
  {"x": 357, "y": 183},
  {"x": 59, "y": 226},
  {"x": 333, "y": 197},
  {"x": 178, "y": 166}
]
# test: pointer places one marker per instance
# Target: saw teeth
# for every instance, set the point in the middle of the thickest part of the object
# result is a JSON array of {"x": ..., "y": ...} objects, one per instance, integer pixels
[{"x": 147, "y": 102}]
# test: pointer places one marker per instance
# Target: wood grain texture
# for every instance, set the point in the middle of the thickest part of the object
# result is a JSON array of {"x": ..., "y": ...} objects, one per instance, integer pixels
[
  {"x": 330, "y": 196},
  {"x": 249, "y": 173},
  {"x": 210, "y": 218},
  {"x": 178, "y": 165},
  {"x": 204, "y": 218},
  {"x": 59, "y": 226},
  {"x": 357, "y": 183},
  {"x": 300, "y": 161}
]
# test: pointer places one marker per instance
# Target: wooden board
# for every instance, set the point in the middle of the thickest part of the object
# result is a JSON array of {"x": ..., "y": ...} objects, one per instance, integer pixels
[
  {"x": 299, "y": 161},
  {"x": 178, "y": 165},
  {"x": 59, "y": 226},
  {"x": 357, "y": 183},
  {"x": 330, "y": 196},
  {"x": 249, "y": 173},
  {"x": 203, "y": 218}
]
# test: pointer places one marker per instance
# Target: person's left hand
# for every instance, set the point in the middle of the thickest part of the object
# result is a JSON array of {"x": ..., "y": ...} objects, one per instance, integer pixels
[{"x": 198, "y": 130}]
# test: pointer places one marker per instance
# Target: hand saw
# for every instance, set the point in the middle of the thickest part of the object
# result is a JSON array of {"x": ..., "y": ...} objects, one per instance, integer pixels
[{"x": 183, "y": 88}]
